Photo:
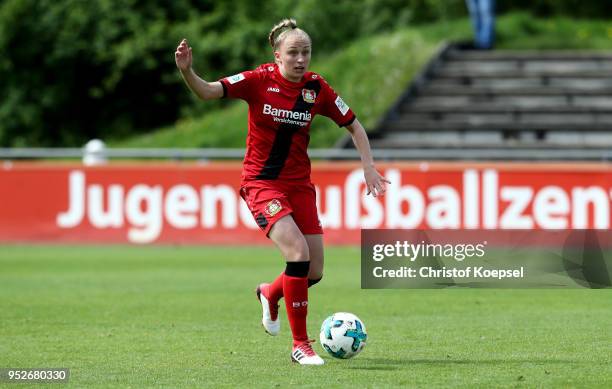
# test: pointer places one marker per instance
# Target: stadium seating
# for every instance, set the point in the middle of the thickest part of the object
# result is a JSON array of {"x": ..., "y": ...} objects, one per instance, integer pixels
[{"x": 521, "y": 103}]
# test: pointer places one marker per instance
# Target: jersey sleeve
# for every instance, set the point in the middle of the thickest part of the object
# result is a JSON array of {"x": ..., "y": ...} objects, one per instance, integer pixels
[
  {"x": 241, "y": 85},
  {"x": 334, "y": 107}
]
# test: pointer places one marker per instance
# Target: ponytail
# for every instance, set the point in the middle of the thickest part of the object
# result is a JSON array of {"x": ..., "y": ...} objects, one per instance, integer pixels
[{"x": 277, "y": 34}]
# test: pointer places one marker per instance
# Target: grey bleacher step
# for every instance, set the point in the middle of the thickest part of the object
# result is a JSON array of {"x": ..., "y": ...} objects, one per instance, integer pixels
[
  {"x": 503, "y": 108},
  {"x": 539, "y": 119},
  {"x": 493, "y": 139},
  {"x": 528, "y": 67},
  {"x": 538, "y": 104},
  {"x": 450, "y": 138},
  {"x": 446, "y": 137},
  {"x": 493, "y": 125},
  {"x": 520, "y": 73},
  {"x": 527, "y": 55},
  {"x": 523, "y": 82},
  {"x": 423, "y": 143},
  {"x": 512, "y": 90},
  {"x": 450, "y": 102}
]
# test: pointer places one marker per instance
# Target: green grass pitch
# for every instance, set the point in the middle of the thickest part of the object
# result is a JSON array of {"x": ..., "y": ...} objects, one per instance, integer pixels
[{"x": 187, "y": 317}]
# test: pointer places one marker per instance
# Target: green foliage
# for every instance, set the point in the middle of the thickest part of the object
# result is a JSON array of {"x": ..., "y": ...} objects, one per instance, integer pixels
[
  {"x": 522, "y": 30},
  {"x": 369, "y": 74},
  {"x": 331, "y": 23},
  {"x": 72, "y": 69},
  {"x": 593, "y": 9},
  {"x": 372, "y": 72},
  {"x": 76, "y": 69}
]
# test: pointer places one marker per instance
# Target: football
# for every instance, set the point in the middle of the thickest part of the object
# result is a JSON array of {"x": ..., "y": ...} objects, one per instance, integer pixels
[{"x": 343, "y": 335}]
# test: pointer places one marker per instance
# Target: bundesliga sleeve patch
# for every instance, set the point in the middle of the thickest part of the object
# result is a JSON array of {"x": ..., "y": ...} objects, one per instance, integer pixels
[
  {"x": 342, "y": 107},
  {"x": 235, "y": 78}
]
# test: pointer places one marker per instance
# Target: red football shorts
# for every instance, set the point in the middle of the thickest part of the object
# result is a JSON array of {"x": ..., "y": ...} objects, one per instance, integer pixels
[{"x": 271, "y": 200}]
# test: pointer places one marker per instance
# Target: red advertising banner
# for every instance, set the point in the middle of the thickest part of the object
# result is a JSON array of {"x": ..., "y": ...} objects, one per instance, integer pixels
[{"x": 200, "y": 204}]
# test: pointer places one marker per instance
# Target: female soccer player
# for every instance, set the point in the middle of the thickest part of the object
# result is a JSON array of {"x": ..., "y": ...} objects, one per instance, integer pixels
[{"x": 283, "y": 99}]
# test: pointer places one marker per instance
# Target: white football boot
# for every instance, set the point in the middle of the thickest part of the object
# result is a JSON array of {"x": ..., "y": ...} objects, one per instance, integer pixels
[
  {"x": 305, "y": 355},
  {"x": 269, "y": 317}
]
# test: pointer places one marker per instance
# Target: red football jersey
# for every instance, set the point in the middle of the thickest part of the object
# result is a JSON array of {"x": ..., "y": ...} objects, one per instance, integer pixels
[{"x": 280, "y": 114}]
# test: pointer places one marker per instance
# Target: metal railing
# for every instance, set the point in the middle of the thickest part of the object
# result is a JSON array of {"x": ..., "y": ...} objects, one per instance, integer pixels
[{"x": 416, "y": 153}]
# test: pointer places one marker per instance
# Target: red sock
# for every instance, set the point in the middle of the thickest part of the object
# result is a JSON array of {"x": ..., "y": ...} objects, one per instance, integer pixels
[
  {"x": 275, "y": 289},
  {"x": 295, "y": 290}
]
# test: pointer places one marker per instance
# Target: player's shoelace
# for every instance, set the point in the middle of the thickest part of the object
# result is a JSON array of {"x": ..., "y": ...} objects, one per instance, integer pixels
[{"x": 306, "y": 348}]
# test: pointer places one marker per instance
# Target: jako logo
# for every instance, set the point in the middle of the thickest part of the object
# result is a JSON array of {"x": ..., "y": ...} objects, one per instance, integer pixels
[{"x": 270, "y": 89}]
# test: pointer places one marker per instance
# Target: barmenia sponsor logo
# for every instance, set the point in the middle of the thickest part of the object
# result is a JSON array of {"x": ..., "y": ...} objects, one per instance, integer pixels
[
  {"x": 475, "y": 201},
  {"x": 287, "y": 116}
]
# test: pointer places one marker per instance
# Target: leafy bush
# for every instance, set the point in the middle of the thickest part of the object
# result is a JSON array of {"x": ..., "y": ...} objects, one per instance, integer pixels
[{"x": 72, "y": 70}]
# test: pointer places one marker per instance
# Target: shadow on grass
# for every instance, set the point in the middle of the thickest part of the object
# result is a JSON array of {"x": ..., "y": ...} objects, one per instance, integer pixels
[{"x": 399, "y": 363}]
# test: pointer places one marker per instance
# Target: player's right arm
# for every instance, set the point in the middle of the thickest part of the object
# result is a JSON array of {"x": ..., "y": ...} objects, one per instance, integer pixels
[{"x": 203, "y": 89}]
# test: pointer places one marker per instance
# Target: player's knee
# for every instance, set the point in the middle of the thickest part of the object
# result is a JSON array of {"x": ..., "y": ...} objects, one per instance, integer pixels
[
  {"x": 313, "y": 280},
  {"x": 316, "y": 272}
]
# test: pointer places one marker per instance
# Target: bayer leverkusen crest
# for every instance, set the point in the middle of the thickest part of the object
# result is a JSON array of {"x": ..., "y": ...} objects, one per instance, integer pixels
[
  {"x": 309, "y": 95},
  {"x": 273, "y": 207}
]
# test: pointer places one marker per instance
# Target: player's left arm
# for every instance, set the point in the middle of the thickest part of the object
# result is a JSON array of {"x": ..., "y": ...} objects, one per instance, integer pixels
[{"x": 375, "y": 182}]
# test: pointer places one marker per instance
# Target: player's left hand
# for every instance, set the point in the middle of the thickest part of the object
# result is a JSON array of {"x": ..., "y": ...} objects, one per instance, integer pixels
[
  {"x": 183, "y": 56},
  {"x": 376, "y": 184}
]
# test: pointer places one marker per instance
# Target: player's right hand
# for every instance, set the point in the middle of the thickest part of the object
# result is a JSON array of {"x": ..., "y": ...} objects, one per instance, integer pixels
[{"x": 182, "y": 56}]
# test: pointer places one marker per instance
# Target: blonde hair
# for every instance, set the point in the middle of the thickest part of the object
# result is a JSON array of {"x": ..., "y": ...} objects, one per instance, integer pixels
[{"x": 281, "y": 30}]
